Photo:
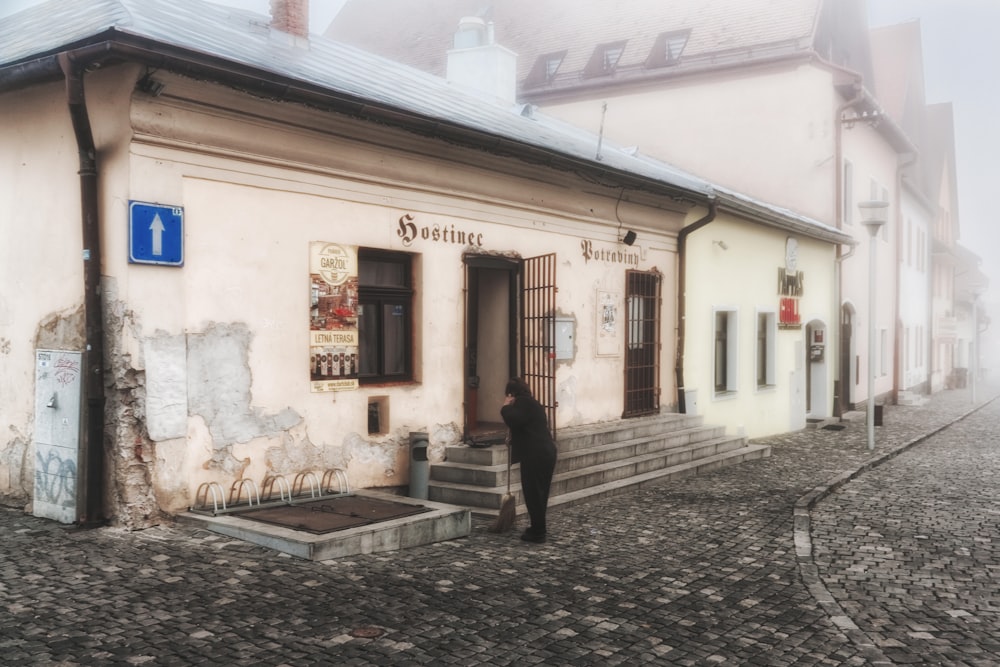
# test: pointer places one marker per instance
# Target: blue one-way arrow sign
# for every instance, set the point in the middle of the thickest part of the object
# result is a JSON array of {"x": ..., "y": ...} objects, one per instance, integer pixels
[{"x": 156, "y": 234}]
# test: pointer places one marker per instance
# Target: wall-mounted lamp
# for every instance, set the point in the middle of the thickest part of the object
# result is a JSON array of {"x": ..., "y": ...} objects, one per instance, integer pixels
[
  {"x": 147, "y": 84},
  {"x": 629, "y": 237},
  {"x": 721, "y": 244},
  {"x": 872, "y": 118},
  {"x": 874, "y": 214}
]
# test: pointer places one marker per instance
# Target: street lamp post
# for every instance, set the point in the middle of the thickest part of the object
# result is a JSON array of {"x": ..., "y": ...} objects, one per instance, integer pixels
[
  {"x": 977, "y": 291},
  {"x": 874, "y": 214}
]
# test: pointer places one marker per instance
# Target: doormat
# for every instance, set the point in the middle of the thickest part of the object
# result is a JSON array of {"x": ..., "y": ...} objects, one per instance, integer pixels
[
  {"x": 332, "y": 514},
  {"x": 834, "y": 427}
]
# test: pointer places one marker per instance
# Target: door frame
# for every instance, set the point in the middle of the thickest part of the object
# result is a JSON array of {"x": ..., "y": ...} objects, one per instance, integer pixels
[{"x": 473, "y": 265}]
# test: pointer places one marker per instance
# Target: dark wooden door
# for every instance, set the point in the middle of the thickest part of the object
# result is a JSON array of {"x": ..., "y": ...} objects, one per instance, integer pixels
[{"x": 642, "y": 343}]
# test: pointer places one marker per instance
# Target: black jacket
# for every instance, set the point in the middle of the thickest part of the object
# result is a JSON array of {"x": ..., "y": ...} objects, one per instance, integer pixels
[{"x": 530, "y": 439}]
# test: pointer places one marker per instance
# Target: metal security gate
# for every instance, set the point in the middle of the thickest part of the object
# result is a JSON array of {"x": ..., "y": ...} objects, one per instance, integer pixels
[
  {"x": 642, "y": 345},
  {"x": 538, "y": 318}
]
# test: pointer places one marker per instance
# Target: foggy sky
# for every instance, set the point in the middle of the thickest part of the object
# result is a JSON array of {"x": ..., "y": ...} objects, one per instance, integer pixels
[{"x": 962, "y": 66}]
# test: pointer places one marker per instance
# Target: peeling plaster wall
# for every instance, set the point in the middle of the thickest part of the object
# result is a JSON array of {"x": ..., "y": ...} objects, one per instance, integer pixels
[
  {"x": 41, "y": 270},
  {"x": 130, "y": 499},
  {"x": 15, "y": 470},
  {"x": 224, "y": 342}
]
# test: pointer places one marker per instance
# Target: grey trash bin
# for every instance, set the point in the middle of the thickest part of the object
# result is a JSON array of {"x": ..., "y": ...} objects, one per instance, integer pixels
[{"x": 420, "y": 467}]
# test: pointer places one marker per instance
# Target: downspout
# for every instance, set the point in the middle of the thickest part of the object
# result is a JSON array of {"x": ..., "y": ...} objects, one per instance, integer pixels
[
  {"x": 838, "y": 195},
  {"x": 90, "y": 474},
  {"x": 896, "y": 356},
  {"x": 681, "y": 300}
]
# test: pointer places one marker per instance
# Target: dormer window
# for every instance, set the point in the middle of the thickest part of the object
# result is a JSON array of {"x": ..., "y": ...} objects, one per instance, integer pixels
[
  {"x": 605, "y": 59},
  {"x": 545, "y": 68},
  {"x": 611, "y": 56},
  {"x": 668, "y": 48},
  {"x": 552, "y": 64}
]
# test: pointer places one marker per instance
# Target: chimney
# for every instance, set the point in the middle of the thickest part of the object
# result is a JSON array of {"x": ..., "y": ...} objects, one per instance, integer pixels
[
  {"x": 478, "y": 62},
  {"x": 290, "y": 17}
]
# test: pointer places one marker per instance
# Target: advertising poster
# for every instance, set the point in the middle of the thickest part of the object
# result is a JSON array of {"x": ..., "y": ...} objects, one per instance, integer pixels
[
  {"x": 609, "y": 342},
  {"x": 333, "y": 317}
]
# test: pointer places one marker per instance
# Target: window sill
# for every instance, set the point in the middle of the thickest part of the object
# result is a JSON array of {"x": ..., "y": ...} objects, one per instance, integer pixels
[{"x": 376, "y": 384}]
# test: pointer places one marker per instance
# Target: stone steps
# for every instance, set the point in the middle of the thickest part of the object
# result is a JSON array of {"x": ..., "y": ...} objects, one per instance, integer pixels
[{"x": 594, "y": 461}]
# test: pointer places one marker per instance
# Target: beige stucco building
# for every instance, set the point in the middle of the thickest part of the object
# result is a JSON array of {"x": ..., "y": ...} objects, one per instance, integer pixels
[{"x": 273, "y": 256}]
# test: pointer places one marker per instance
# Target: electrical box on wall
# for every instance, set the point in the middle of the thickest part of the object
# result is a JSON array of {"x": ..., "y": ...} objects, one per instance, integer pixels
[
  {"x": 565, "y": 338},
  {"x": 57, "y": 433}
]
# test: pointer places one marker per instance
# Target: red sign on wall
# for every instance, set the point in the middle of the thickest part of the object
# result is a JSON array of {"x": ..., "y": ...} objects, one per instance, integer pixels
[{"x": 788, "y": 315}]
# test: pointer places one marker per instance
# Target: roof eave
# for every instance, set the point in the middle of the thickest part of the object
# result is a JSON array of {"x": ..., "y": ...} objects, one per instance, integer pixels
[
  {"x": 575, "y": 84},
  {"x": 769, "y": 217},
  {"x": 114, "y": 45}
]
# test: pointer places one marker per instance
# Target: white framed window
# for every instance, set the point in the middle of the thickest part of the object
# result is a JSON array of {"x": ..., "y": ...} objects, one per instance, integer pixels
[
  {"x": 725, "y": 351},
  {"x": 906, "y": 348},
  {"x": 884, "y": 232},
  {"x": 767, "y": 328},
  {"x": 883, "y": 352}
]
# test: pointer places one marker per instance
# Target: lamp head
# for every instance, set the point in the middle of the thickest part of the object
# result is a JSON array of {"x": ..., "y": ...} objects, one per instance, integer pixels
[{"x": 874, "y": 214}]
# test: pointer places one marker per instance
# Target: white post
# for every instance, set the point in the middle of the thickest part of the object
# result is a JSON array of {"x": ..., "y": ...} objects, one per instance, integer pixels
[
  {"x": 874, "y": 214},
  {"x": 974, "y": 353},
  {"x": 871, "y": 341}
]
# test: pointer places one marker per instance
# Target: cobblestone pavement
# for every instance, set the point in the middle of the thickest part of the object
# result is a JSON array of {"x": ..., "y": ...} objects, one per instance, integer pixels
[
  {"x": 710, "y": 570},
  {"x": 911, "y": 549}
]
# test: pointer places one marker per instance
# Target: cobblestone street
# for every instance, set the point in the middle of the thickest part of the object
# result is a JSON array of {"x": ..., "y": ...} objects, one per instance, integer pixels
[{"x": 698, "y": 572}]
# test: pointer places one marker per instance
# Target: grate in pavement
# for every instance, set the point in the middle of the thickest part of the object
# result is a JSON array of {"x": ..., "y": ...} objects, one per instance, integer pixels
[{"x": 332, "y": 514}]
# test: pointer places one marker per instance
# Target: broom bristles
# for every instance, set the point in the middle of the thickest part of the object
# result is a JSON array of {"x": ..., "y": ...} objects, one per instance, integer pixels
[{"x": 507, "y": 516}]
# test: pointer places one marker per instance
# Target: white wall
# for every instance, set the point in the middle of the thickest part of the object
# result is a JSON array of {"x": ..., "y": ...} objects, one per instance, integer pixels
[
  {"x": 767, "y": 132},
  {"x": 914, "y": 293}
]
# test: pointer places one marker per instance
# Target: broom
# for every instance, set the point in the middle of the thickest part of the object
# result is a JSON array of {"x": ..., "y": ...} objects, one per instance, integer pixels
[{"x": 508, "y": 507}]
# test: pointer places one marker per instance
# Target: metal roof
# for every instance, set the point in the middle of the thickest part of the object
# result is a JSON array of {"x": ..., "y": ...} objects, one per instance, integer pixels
[
  {"x": 718, "y": 31},
  {"x": 245, "y": 38}
]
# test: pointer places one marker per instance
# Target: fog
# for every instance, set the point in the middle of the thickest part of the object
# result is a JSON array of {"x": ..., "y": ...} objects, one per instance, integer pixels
[{"x": 961, "y": 65}]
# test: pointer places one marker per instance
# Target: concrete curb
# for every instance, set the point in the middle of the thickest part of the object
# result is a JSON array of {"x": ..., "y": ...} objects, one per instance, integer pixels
[{"x": 802, "y": 531}]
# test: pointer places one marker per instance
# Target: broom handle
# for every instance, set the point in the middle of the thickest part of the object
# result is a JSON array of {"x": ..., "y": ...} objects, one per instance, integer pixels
[{"x": 509, "y": 452}]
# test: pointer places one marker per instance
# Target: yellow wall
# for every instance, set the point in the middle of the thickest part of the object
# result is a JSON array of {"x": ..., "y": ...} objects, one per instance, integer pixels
[{"x": 743, "y": 278}]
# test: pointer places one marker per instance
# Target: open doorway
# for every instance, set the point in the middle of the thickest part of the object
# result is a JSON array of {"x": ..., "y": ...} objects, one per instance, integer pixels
[
  {"x": 510, "y": 317},
  {"x": 817, "y": 400},
  {"x": 848, "y": 358},
  {"x": 490, "y": 344}
]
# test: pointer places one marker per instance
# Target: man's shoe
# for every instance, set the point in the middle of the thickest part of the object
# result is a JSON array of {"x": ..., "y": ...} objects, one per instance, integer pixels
[{"x": 537, "y": 538}]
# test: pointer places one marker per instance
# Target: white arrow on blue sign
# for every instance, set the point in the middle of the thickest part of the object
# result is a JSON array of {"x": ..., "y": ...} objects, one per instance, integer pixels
[{"x": 156, "y": 234}]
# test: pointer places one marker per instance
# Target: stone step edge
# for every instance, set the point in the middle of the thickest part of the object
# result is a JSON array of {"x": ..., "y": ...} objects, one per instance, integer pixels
[
  {"x": 564, "y": 472},
  {"x": 610, "y": 426},
  {"x": 746, "y": 453},
  {"x": 708, "y": 431}
]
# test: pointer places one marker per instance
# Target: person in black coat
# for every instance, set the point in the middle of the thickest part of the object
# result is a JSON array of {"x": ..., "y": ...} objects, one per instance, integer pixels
[{"x": 531, "y": 445}]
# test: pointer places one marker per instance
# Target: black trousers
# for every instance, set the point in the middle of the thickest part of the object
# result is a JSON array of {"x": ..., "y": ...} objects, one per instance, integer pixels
[{"x": 536, "y": 480}]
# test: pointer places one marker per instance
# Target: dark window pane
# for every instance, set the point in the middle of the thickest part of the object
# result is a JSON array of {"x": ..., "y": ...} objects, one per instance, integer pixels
[
  {"x": 385, "y": 291},
  {"x": 394, "y": 327},
  {"x": 368, "y": 339},
  {"x": 382, "y": 274}
]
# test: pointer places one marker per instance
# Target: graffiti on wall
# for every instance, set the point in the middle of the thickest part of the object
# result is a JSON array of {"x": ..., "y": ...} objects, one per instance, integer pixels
[{"x": 55, "y": 477}]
